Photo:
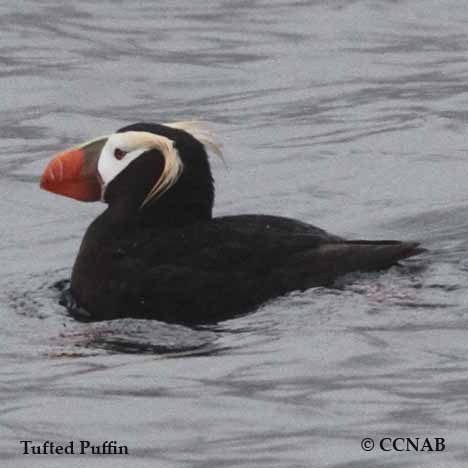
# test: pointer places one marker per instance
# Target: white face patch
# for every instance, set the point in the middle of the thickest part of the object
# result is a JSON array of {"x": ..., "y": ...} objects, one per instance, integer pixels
[
  {"x": 109, "y": 166},
  {"x": 123, "y": 148}
]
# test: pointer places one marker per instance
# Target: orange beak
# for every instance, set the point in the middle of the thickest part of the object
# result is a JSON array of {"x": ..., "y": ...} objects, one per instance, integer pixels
[{"x": 74, "y": 173}]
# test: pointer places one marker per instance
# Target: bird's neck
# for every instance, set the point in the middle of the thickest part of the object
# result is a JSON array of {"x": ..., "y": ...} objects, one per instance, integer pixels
[{"x": 120, "y": 219}]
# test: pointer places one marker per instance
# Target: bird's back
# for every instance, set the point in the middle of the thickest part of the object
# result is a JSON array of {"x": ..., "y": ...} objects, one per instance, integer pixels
[{"x": 209, "y": 271}]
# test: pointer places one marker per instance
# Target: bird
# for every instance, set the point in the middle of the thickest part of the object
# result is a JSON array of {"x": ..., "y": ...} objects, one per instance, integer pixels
[{"x": 157, "y": 252}]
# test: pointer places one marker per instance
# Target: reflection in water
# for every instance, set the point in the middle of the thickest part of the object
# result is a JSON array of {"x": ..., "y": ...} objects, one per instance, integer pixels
[
  {"x": 82, "y": 338},
  {"x": 141, "y": 337},
  {"x": 349, "y": 115}
]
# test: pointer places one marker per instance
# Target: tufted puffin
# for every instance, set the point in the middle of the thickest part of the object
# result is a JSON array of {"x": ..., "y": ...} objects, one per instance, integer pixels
[{"x": 156, "y": 252}]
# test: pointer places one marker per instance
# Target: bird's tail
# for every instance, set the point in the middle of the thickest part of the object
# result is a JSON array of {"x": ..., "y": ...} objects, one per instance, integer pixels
[
  {"x": 332, "y": 259},
  {"x": 376, "y": 255}
]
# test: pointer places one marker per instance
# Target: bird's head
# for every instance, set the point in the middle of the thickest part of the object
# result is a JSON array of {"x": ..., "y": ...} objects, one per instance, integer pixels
[{"x": 161, "y": 170}]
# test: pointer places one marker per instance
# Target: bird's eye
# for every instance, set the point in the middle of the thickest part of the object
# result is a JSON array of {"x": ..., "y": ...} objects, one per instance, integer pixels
[{"x": 119, "y": 154}]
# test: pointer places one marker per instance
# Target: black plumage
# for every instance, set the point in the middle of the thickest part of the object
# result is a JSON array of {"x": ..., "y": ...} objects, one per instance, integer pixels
[{"x": 170, "y": 260}]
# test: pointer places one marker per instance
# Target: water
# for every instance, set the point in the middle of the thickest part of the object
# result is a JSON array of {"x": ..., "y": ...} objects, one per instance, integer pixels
[{"x": 347, "y": 114}]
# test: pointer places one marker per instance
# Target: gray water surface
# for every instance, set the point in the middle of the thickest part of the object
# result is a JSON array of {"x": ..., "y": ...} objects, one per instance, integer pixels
[{"x": 350, "y": 115}]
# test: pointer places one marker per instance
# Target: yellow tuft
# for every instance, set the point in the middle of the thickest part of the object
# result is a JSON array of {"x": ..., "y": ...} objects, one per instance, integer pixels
[{"x": 201, "y": 132}]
